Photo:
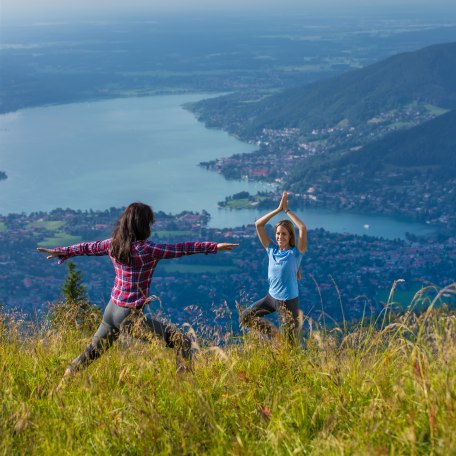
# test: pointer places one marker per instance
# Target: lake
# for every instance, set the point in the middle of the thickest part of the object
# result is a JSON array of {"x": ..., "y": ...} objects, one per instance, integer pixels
[{"x": 102, "y": 154}]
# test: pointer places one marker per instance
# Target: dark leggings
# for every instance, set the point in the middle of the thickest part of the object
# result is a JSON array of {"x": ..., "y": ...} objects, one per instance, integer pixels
[
  {"x": 288, "y": 310},
  {"x": 134, "y": 322}
]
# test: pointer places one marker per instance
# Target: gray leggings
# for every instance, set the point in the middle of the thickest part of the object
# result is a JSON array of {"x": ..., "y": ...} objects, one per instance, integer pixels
[
  {"x": 288, "y": 310},
  {"x": 134, "y": 322}
]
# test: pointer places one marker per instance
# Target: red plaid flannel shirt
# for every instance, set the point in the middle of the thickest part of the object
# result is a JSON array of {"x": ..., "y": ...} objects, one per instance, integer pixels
[{"x": 132, "y": 282}]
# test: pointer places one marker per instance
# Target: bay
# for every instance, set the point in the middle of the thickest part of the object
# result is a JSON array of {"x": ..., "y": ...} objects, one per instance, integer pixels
[
  {"x": 109, "y": 153},
  {"x": 102, "y": 154}
]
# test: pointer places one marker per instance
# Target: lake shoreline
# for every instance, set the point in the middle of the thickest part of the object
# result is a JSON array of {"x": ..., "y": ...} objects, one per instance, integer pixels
[
  {"x": 119, "y": 111},
  {"x": 266, "y": 202},
  {"x": 95, "y": 99}
]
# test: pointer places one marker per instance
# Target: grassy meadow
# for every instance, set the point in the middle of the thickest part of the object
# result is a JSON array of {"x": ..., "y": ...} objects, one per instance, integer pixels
[{"x": 381, "y": 387}]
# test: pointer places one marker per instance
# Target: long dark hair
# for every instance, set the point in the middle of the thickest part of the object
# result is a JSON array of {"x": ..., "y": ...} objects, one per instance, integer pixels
[{"x": 133, "y": 225}]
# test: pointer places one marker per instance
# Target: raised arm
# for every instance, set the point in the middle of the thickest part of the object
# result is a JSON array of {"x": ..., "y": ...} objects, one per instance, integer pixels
[
  {"x": 302, "y": 238},
  {"x": 261, "y": 222}
]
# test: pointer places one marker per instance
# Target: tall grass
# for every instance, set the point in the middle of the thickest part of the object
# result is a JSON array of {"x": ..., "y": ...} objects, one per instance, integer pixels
[{"x": 387, "y": 386}]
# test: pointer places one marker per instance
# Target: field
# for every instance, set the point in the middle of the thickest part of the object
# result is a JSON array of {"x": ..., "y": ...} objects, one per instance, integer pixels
[
  {"x": 59, "y": 239},
  {"x": 50, "y": 225},
  {"x": 387, "y": 387},
  {"x": 53, "y": 228}
]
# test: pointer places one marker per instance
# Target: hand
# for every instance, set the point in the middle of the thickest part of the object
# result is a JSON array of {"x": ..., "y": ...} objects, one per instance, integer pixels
[
  {"x": 283, "y": 206},
  {"x": 226, "y": 246},
  {"x": 52, "y": 253}
]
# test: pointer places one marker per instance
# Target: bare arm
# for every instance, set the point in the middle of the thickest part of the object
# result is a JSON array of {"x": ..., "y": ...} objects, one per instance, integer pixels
[
  {"x": 302, "y": 238},
  {"x": 226, "y": 246},
  {"x": 52, "y": 253},
  {"x": 261, "y": 222}
]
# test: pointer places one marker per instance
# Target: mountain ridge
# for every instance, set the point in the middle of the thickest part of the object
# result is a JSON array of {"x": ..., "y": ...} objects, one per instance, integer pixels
[
  {"x": 425, "y": 76},
  {"x": 380, "y": 139}
]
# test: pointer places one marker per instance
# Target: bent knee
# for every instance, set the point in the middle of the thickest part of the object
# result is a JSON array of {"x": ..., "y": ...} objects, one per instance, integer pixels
[{"x": 246, "y": 318}]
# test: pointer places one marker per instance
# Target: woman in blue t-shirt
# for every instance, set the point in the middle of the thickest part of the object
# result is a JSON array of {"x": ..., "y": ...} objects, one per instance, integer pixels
[{"x": 283, "y": 274}]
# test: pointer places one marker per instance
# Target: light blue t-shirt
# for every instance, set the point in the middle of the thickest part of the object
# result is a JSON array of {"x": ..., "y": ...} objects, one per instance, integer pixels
[{"x": 282, "y": 272}]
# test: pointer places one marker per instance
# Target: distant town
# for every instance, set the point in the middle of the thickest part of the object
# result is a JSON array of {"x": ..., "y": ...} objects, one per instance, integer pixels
[{"x": 405, "y": 193}]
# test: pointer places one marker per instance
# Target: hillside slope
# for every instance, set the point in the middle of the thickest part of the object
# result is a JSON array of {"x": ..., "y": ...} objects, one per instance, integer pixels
[
  {"x": 431, "y": 144},
  {"x": 429, "y": 147},
  {"x": 426, "y": 76},
  {"x": 386, "y": 387}
]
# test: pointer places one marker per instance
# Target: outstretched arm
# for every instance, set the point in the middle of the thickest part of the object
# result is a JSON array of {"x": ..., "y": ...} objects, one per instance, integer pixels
[
  {"x": 302, "y": 239},
  {"x": 261, "y": 222},
  {"x": 226, "y": 246},
  {"x": 52, "y": 253},
  {"x": 167, "y": 251},
  {"x": 83, "y": 248}
]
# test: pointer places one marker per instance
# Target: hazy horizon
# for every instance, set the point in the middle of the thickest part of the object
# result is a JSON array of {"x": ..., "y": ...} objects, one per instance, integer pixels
[{"x": 18, "y": 10}]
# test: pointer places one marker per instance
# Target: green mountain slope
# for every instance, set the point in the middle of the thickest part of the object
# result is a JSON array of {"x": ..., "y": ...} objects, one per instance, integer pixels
[
  {"x": 432, "y": 144},
  {"x": 425, "y": 76},
  {"x": 427, "y": 150},
  {"x": 368, "y": 162},
  {"x": 409, "y": 172}
]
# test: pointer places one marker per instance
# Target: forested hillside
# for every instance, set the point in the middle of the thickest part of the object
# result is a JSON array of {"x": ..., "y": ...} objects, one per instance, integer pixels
[
  {"x": 428, "y": 149},
  {"x": 426, "y": 76},
  {"x": 380, "y": 139},
  {"x": 432, "y": 144}
]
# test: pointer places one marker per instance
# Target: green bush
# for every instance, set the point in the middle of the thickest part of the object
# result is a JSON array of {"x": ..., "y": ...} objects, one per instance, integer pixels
[{"x": 75, "y": 309}]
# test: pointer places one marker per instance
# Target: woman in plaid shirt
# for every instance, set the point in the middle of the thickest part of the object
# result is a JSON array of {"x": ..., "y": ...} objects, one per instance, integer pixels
[{"x": 134, "y": 258}]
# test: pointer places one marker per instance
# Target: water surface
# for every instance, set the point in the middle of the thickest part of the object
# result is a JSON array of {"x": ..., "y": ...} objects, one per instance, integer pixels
[
  {"x": 103, "y": 154},
  {"x": 108, "y": 153}
]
